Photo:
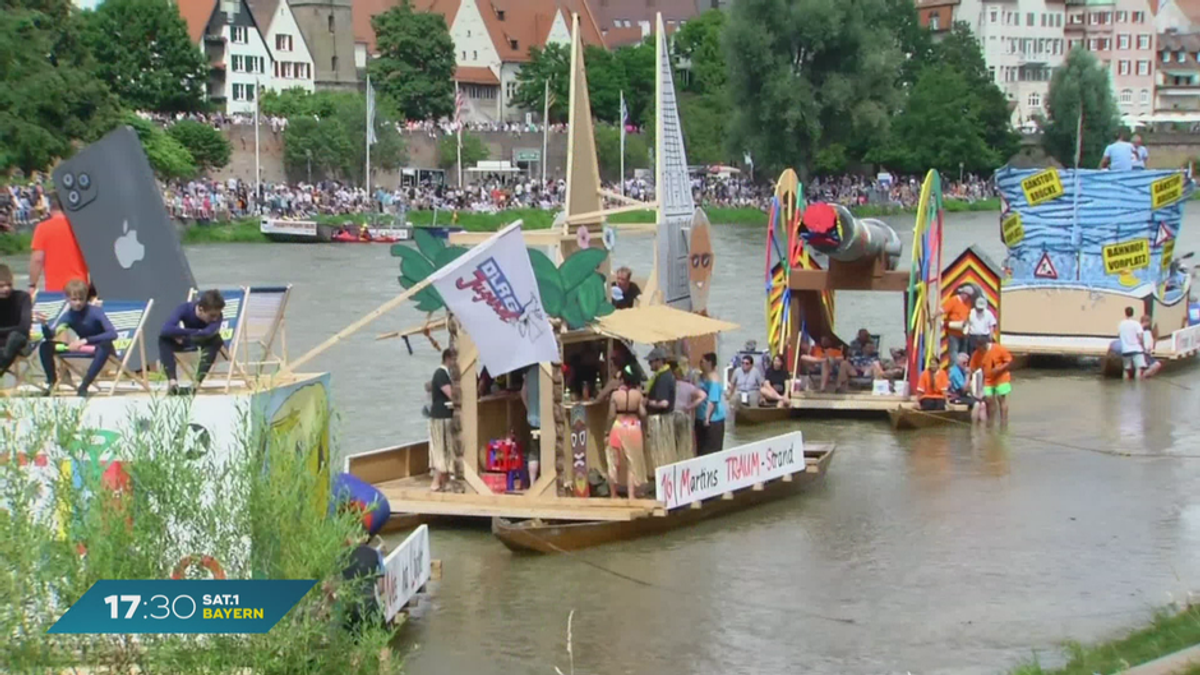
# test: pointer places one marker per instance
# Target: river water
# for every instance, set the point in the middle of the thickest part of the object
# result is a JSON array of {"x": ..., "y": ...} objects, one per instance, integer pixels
[{"x": 938, "y": 551}]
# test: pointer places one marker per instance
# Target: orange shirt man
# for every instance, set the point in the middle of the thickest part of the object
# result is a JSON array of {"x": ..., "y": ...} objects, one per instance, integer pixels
[
  {"x": 56, "y": 253},
  {"x": 955, "y": 312}
]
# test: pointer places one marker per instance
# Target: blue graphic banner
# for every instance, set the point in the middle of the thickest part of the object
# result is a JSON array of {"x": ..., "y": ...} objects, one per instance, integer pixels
[
  {"x": 182, "y": 606},
  {"x": 1110, "y": 230}
]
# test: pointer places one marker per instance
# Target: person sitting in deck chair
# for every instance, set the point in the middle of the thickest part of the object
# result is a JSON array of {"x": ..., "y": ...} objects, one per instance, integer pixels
[
  {"x": 16, "y": 316},
  {"x": 865, "y": 365},
  {"x": 193, "y": 325},
  {"x": 93, "y": 333}
]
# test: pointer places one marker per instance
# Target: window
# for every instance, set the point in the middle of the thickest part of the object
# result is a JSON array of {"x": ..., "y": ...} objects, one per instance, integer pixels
[
  {"x": 243, "y": 92},
  {"x": 283, "y": 42},
  {"x": 1076, "y": 19},
  {"x": 992, "y": 15},
  {"x": 474, "y": 55},
  {"x": 333, "y": 64},
  {"x": 1093, "y": 43},
  {"x": 1139, "y": 17},
  {"x": 1144, "y": 97},
  {"x": 330, "y": 22},
  {"x": 1126, "y": 96},
  {"x": 1058, "y": 20},
  {"x": 500, "y": 14},
  {"x": 1181, "y": 57},
  {"x": 276, "y": 69},
  {"x": 1029, "y": 18},
  {"x": 1035, "y": 99},
  {"x": 1123, "y": 41},
  {"x": 1124, "y": 67},
  {"x": 287, "y": 71},
  {"x": 1166, "y": 57},
  {"x": 1093, "y": 18},
  {"x": 933, "y": 22},
  {"x": 1143, "y": 68},
  {"x": 510, "y": 90},
  {"x": 1043, "y": 19},
  {"x": 992, "y": 73},
  {"x": 1143, "y": 41},
  {"x": 464, "y": 56},
  {"x": 1105, "y": 44},
  {"x": 237, "y": 34},
  {"x": 1122, "y": 16},
  {"x": 1105, "y": 18}
]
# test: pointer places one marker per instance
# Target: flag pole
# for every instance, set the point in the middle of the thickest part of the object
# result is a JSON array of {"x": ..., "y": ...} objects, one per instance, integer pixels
[
  {"x": 257, "y": 159},
  {"x": 370, "y": 103},
  {"x": 621, "y": 115},
  {"x": 458, "y": 112},
  {"x": 545, "y": 126}
]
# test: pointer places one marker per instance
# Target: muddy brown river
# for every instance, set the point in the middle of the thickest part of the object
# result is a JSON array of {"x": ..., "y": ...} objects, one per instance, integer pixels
[{"x": 937, "y": 551}]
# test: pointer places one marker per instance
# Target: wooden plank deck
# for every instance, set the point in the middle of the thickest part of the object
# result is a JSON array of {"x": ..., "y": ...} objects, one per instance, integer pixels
[
  {"x": 412, "y": 495},
  {"x": 850, "y": 402}
]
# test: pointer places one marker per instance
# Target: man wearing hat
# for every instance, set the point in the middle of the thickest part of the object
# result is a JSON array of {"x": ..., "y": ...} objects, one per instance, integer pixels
[
  {"x": 660, "y": 403},
  {"x": 981, "y": 322},
  {"x": 955, "y": 312}
]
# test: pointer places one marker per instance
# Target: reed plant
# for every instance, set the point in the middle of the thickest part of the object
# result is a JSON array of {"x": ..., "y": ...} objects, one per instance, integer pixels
[{"x": 255, "y": 506}]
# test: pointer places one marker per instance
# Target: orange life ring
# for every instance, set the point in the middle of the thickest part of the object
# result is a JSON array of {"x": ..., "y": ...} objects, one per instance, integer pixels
[{"x": 206, "y": 561}]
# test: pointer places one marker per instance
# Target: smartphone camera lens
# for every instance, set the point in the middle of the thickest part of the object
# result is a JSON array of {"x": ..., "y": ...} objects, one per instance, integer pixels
[
  {"x": 85, "y": 181},
  {"x": 68, "y": 180},
  {"x": 73, "y": 197}
]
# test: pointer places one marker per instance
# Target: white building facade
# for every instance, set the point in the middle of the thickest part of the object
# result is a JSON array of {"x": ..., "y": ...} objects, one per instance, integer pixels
[{"x": 293, "y": 67}]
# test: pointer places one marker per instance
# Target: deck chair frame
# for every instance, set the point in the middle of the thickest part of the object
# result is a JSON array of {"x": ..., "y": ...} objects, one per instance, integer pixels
[
  {"x": 276, "y": 333},
  {"x": 229, "y": 350},
  {"x": 122, "y": 364}
]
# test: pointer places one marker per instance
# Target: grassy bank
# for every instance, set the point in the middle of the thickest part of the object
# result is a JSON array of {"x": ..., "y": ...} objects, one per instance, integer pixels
[{"x": 1168, "y": 634}]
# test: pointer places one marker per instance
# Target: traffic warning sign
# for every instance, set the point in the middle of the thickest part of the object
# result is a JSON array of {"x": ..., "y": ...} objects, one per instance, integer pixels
[
  {"x": 1045, "y": 268},
  {"x": 1164, "y": 235}
]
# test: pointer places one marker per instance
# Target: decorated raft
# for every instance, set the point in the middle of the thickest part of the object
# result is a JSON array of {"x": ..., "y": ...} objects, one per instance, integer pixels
[
  {"x": 808, "y": 262},
  {"x": 1082, "y": 246},
  {"x": 563, "y": 508}
]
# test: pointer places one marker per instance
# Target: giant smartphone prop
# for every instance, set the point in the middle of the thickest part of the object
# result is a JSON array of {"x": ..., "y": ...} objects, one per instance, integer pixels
[{"x": 116, "y": 212}]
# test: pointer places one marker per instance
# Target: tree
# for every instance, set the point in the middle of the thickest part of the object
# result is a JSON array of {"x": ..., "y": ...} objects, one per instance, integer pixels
[
  {"x": 704, "y": 119},
  {"x": 167, "y": 156},
  {"x": 939, "y": 127},
  {"x": 914, "y": 41},
  {"x": 144, "y": 54},
  {"x": 552, "y": 64},
  {"x": 473, "y": 151},
  {"x": 208, "y": 147},
  {"x": 637, "y": 65},
  {"x": 699, "y": 42},
  {"x": 608, "y": 151},
  {"x": 804, "y": 74},
  {"x": 48, "y": 96},
  {"x": 606, "y": 80},
  {"x": 335, "y": 142},
  {"x": 415, "y": 68},
  {"x": 1081, "y": 83},
  {"x": 960, "y": 50}
]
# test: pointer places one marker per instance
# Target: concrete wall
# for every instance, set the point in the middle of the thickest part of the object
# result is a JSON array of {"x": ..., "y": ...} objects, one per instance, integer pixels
[{"x": 422, "y": 153}]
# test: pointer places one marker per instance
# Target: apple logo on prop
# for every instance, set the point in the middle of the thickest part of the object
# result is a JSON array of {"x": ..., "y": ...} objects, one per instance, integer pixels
[{"x": 127, "y": 247}]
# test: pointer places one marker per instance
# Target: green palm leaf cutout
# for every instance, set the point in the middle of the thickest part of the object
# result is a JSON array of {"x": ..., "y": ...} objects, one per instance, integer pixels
[{"x": 576, "y": 269}]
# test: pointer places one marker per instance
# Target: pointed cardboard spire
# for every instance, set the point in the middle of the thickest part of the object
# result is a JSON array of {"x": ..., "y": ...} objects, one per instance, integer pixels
[
  {"x": 583, "y": 173},
  {"x": 671, "y": 182}
]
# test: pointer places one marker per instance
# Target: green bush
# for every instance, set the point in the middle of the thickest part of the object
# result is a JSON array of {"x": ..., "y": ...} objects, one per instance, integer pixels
[
  {"x": 167, "y": 156},
  {"x": 255, "y": 512},
  {"x": 208, "y": 147}
]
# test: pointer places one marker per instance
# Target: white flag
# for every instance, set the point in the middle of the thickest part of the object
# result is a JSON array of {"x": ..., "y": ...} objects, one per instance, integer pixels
[
  {"x": 493, "y": 293},
  {"x": 371, "y": 139}
]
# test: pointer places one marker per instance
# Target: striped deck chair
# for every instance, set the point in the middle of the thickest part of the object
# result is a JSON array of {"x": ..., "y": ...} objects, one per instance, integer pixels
[
  {"x": 49, "y": 305},
  {"x": 128, "y": 317},
  {"x": 265, "y": 334},
  {"x": 232, "y": 328}
]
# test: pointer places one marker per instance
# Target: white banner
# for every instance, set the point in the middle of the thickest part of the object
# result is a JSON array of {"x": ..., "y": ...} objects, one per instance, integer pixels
[
  {"x": 405, "y": 571},
  {"x": 493, "y": 293},
  {"x": 1185, "y": 339},
  {"x": 708, "y": 476},
  {"x": 304, "y": 228}
]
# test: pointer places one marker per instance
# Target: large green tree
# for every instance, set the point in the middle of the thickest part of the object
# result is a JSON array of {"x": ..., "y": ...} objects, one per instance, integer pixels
[
  {"x": 805, "y": 74},
  {"x": 1080, "y": 84},
  {"x": 960, "y": 50},
  {"x": 699, "y": 44},
  {"x": 144, "y": 54},
  {"x": 168, "y": 157},
  {"x": 636, "y": 62},
  {"x": 48, "y": 96},
  {"x": 336, "y": 142},
  {"x": 208, "y": 147},
  {"x": 553, "y": 65},
  {"x": 939, "y": 127},
  {"x": 608, "y": 151},
  {"x": 415, "y": 68},
  {"x": 606, "y": 80},
  {"x": 914, "y": 41}
]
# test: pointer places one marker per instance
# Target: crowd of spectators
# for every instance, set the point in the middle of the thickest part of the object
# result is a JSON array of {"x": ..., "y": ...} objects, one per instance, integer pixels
[{"x": 896, "y": 191}]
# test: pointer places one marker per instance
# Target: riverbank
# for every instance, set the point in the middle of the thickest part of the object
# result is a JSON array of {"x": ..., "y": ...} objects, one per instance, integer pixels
[
  {"x": 1168, "y": 633},
  {"x": 245, "y": 230}
]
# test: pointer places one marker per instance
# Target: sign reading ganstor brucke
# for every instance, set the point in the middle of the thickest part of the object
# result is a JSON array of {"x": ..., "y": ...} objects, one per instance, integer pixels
[{"x": 708, "y": 476}]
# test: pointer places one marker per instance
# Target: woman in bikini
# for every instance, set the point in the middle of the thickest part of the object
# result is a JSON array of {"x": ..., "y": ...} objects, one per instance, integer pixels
[{"x": 626, "y": 413}]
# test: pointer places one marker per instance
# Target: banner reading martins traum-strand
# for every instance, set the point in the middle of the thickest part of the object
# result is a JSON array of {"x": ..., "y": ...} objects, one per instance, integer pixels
[{"x": 1110, "y": 230}]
